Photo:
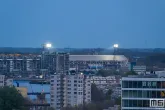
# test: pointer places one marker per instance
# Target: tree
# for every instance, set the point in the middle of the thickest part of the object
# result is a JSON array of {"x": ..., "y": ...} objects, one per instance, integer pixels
[
  {"x": 118, "y": 101},
  {"x": 108, "y": 94},
  {"x": 96, "y": 94},
  {"x": 105, "y": 73},
  {"x": 131, "y": 73},
  {"x": 10, "y": 99}
]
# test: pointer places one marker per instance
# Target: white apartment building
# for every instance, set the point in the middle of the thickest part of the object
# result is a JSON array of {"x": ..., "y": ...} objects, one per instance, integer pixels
[
  {"x": 69, "y": 90},
  {"x": 5, "y": 82},
  {"x": 139, "y": 69},
  {"x": 138, "y": 90},
  {"x": 9, "y": 82},
  {"x": 99, "y": 80}
]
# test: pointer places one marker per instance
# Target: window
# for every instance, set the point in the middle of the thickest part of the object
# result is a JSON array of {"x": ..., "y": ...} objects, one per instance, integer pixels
[
  {"x": 135, "y": 84},
  {"x": 75, "y": 92},
  {"x": 69, "y": 84},
  {"x": 125, "y": 84},
  {"x": 130, "y": 84},
  {"x": 134, "y": 94},
  {"x": 140, "y": 94},
  {"x": 163, "y": 84},
  {"x": 125, "y": 93}
]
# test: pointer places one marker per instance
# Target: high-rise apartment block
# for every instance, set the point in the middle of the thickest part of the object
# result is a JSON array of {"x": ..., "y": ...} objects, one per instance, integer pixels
[
  {"x": 19, "y": 63},
  {"x": 70, "y": 90},
  {"x": 5, "y": 81},
  {"x": 55, "y": 62}
]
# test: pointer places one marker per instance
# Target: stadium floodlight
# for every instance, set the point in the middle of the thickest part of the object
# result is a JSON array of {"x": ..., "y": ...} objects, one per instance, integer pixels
[
  {"x": 48, "y": 45},
  {"x": 116, "y": 45}
]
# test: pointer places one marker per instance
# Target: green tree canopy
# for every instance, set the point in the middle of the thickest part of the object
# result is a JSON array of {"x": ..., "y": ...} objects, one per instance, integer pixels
[
  {"x": 108, "y": 94},
  {"x": 10, "y": 99},
  {"x": 105, "y": 73},
  {"x": 130, "y": 73},
  {"x": 96, "y": 94}
]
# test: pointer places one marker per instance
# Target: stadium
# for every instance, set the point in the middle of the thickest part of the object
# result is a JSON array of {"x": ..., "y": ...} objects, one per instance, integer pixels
[{"x": 82, "y": 62}]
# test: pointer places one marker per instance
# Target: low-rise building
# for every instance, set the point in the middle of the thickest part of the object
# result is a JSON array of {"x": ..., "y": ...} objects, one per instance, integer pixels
[
  {"x": 9, "y": 82},
  {"x": 103, "y": 82},
  {"x": 116, "y": 91}
]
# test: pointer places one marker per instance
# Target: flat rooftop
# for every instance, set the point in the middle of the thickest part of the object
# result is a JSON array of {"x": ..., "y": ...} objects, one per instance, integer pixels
[
  {"x": 97, "y": 58},
  {"x": 151, "y": 77}
]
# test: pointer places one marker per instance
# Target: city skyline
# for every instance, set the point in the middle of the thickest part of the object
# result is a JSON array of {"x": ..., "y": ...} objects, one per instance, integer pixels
[{"x": 82, "y": 24}]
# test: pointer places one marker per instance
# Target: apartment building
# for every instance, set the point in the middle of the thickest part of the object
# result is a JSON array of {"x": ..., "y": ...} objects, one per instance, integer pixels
[
  {"x": 55, "y": 62},
  {"x": 2, "y": 80},
  {"x": 140, "y": 69},
  {"x": 19, "y": 63},
  {"x": 138, "y": 90},
  {"x": 99, "y": 80},
  {"x": 5, "y": 81},
  {"x": 69, "y": 90}
]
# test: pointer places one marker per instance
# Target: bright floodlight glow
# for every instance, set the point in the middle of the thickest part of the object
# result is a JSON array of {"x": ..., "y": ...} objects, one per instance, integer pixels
[
  {"x": 48, "y": 45},
  {"x": 115, "y": 45}
]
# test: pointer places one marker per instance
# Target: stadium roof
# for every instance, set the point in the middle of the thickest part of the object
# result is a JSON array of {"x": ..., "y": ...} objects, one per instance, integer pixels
[{"x": 97, "y": 58}]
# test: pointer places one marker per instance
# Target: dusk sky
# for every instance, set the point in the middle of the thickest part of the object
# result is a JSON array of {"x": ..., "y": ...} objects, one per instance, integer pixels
[{"x": 82, "y": 23}]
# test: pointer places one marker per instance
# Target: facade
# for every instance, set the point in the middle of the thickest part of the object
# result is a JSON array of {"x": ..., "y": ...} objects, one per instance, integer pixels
[
  {"x": 139, "y": 69},
  {"x": 5, "y": 81},
  {"x": 83, "y": 62},
  {"x": 99, "y": 80},
  {"x": 8, "y": 82},
  {"x": 2, "y": 80},
  {"x": 69, "y": 90},
  {"x": 58, "y": 62},
  {"x": 138, "y": 90},
  {"x": 19, "y": 63},
  {"x": 55, "y": 62}
]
